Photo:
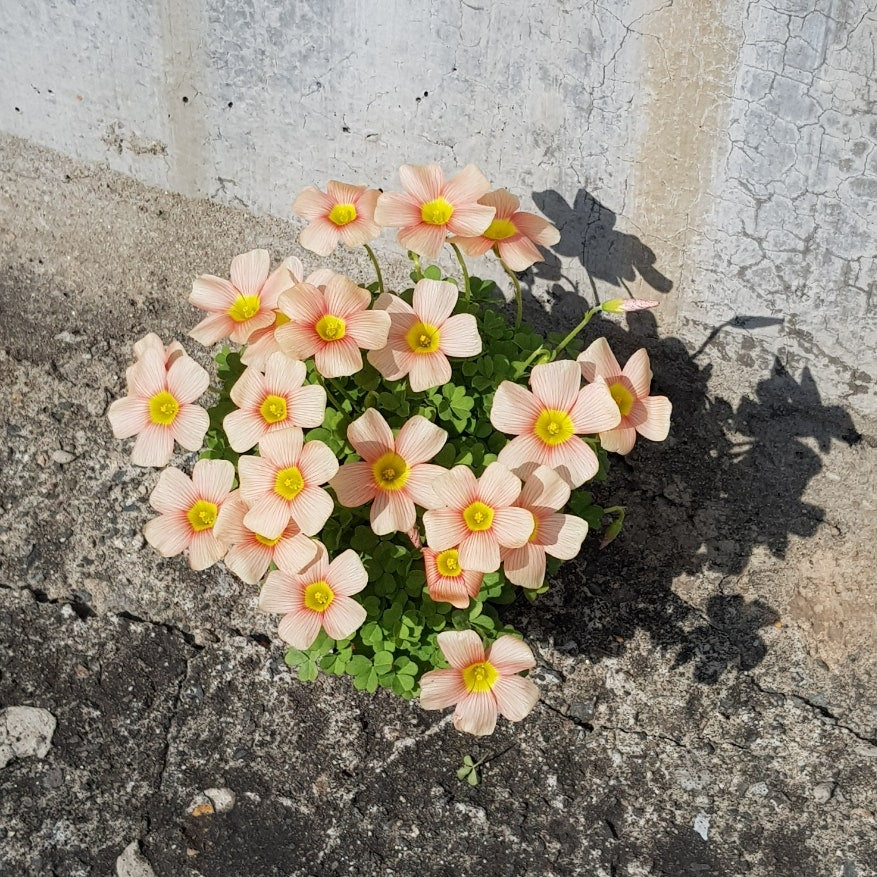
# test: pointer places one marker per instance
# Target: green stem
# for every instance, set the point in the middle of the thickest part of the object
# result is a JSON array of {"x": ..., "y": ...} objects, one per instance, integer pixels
[
  {"x": 343, "y": 392},
  {"x": 562, "y": 346},
  {"x": 374, "y": 258},
  {"x": 466, "y": 288},
  {"x": 416, "y": 260},
  {"x": 526, "y": 363},
  {"x": 519, "y": 304}
]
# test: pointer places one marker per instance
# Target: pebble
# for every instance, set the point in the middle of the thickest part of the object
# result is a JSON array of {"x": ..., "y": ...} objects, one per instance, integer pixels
[
  {"x": 63, "y": 457},
  {"x": 702, "y": 824},
  {"x": 54, "y": 779},
  {"x": 25, "y": 731},
  {"x": 823, "y": 793},
  {"x": 222, "y": 799},
  {"x": 757, "y": 790},
  {"x": 131, "y": 862}
]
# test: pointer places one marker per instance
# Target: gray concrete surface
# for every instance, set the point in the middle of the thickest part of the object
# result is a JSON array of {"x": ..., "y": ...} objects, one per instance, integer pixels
[
  {"x": 725, "y": 148},
  {"x": 709, "y": 680}
]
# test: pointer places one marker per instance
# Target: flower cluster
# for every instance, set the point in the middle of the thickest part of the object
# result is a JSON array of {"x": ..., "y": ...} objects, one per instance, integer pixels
[{"x": 390, "y": 466}]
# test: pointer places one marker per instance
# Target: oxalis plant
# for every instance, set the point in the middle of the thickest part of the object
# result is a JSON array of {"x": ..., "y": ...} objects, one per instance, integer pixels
[{"x": 391, "y": 467}]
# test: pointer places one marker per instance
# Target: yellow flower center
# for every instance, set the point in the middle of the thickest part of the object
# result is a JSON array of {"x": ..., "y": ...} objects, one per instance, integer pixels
[
  {"x": 390, "y": 471},
  {"x": 280, "y": 318},
  {"x": 273, "y": 409},
  {"x": 423, "y": 338},
  {"x": 480, "y": 676},
  {"x": 342, "y": 214},
  {"x": 624, "y": 399},
  {"x": 448, "y": 564},
  {"x": 500, "y": 229},
  {"x": 289, "y": 483},
  {"x": 244, "y": 307},
  {"x": 319, "y": 596},
  {"x": 202, "y": 515},
  {"x": 163, "y": 408},
  {"x": 331, "y": 328},
  {"x": 264, "y": 540},
  {"x": 478, "y": 516},
  {"x": 535, "y": 531},
  {"x": 436, "y": 212},
  {"x": 554, "y": 427}
]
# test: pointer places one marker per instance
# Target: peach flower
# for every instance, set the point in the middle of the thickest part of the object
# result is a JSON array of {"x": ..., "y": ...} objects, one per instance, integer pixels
[
  {"x": 480, "y": 684},
  {"x": 561, "y": 536},
  {"x": 549, "y": 420},
  {"x": 284, "y": 481},
  {"x": 250, "y": 554},
  {"x": 189, "y": 508},
  {"x": 513, "y": 234},
  {"x": 479, "y": 517},
  {"x": 331, "y": 322},
  {"x": 446, "y": 579},
  {"x": 430, "y": 208},
  {"x": 343, "y": 213},
  {"x": 158, "y": 408},
  {"x": 422, "y": 337},
  {"x": 319, "y": 596},
  {"x": 629, "y": 386},
  {"x": 278, "y": 399},
  {"x": 394, "y": 474},
  {"x": 238, "y": 308}
]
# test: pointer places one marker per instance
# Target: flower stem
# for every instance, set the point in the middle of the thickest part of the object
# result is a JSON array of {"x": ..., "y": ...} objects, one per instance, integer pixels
[
  {"x": 374, "y": 258},
  {"x": 519, "y": 305},
  {"x": 416, "y": 260},
  {"x": 467, "y": 291},
  {"x": 587, "y": 319}
]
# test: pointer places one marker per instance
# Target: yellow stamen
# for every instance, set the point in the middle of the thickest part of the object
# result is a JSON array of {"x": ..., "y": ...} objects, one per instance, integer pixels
[
  {"x": 342, "y": 214},
  {"x": 289, "y": 483},
  {"x": 163, "y": 408},
  {"x": 319, "y": 596},
  {"x": 436, "y": 212},
  {"x": 554, "y": 427},
  {"x": 202, "y": 515},
  {"x": 448, "y": 564},
  {"x": 390, "y": 471},
  {"x": 423, "y": 338},
  {"x": 273, "y": 409},
  {"x": 624, "y": 399},
  {"x": 480, "y": 676},
  {"x": 244, "y": 307},
  {"x": 280, "y": 318},
  {"x": 331, "y": 328},
  {"x": 478, "y": 516},
  {"x": 535, "y": 531},
  {"x": 264, "y": 540},
  {"x": 500, "y": 229}
]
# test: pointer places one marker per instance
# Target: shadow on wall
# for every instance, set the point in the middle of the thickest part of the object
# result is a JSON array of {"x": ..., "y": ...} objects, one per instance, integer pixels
[{"x": 727, "y": 481}]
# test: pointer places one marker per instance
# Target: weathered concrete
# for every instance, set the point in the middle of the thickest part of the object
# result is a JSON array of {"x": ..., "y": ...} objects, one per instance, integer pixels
[
  {"x": 735, "y": 138},
  {"x": 709, "y": 680}
]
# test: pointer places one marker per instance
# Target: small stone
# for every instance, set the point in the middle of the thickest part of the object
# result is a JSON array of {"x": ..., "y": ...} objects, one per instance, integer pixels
[
  {"x": 757, "y": 790},
  {"x": 54, "y": 779},
  {"x": 702, "y": 824},
  {"x": 823, "y": 793},
  {"x": 131, "y": 862},
  {"x": 25, "y": 731},
  {"x": 62, "y": 457},
  {"x": 582, "y": 709},
  {"x": 222, "y": 799}
]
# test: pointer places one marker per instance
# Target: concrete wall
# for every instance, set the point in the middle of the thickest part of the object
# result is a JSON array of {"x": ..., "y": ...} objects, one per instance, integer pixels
[{"x": 721, "y": 151}]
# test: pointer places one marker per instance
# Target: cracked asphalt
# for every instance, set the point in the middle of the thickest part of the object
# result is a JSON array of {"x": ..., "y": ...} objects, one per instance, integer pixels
[{"x": 708, "y": 680}]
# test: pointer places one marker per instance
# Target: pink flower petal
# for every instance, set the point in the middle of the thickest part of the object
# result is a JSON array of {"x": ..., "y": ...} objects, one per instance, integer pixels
[
  {"x": 420, "y": 485},
  {"x": 461, "y": 647},
  {"x": 229, "y": 526},
  {"x": 283, "y": 374},
  {"x": 441, "y": 688},
  {"x": 213, "y": 479},
  {"x": 370, "y": 435},
  {"x": 480, "y": 552},
  {"x": 369, "y": 329},
  {"x": 289, "y": 272},
  {"x": 128, "y": 416},
  {"x": 498, "y": 486},
  {"x": 344, "y": 193},
  {"x": 502, "y": 201},
  {"x": 595, "y": 410},
  {"x": 282, "y": 448},
  {"x": 467, "y": 186},
  {"x": 174, "y": 492},
  {"x": 457, "y": 488},
  {"x": 428, "y": 370},
  {"x": 562, "y": 535},
  {"x": 518, "y": 253},
  {"x": 261, "y": 346},
  {"x": 212, "y": 328},
  {"x": 312, "y": 204},
  {"x": 213, "y": 294},
  {"x": 269, "y": 516},
  {"x": 474, "y": 246},
  {"x": 338, "y": 358},
  {"x": 476, "y": 714},
  {"x": 148, "y": 375},
  {"x": 304, "y": 303},
  {"x": 657, "y": 425},
  {"x": 434, "y": 300},
  {"x": 536, "y": 228},
  {"x": 394, "y": 210},
  {"x": 354, "y": 485},
  {"x": 257, "y": 478},
  {"x": 186, "y": 380},
  {"x": 457, "y": 591},
  {"x": 420, "y": 440},
  {"x": 515, "y": 697},
  {"x": 168, "y": 534},
  {"x": 317, "y": 463},
  {"x": 556, "y": 384},
  {"x": 249, "y": 389},
  {"x": 598, "y": 359},
  {"x": 445, "y": 528},
  {"x": 310, "y": 510},
  {"x": 205, "y": 550},
  {"x": 249, "y": 561},
  {"x": 424, "y": 181},
  {"x": 514, "y": 409},
  {"x": 390, "y": 363},
  {"x": 522, "y": 455},
  {"x": 638, "y": 371},
  {"x": 344, "y": 297},
  {"x": 243, "y": 430},
  {"x": 343, "y": 617},
  {"x": 190, "y": 426},
  {"x": 294, "y": 553},
  {"x": 280, "y": 593},
  {"x": 297, "y": 341},
  {"x": 510, "y": 655},
  {"x": 512, "y": 527},
  {"x": 300, "y": 628},
  {"x": 241, "y": 332},
  {"x": 544, "y": 491},
  {"x": 153, "y": 447},
  {"x": 574, "y": 461},
  {"x": 524, "y": 566},
  {"x": 308, "y": 405},
  {"x": 392, "y": 511},
  {"x": 470, "y": 219},
  {"x": 394, "y": 305},
  {"x": 249, "y": 271},
  {"x": 359, "y": 232},
  {"x": 346, "y": 574},
  {"x": 459, "y": 336},
  {"x": 425, "y": 240},
  {"x": 620, "y": 440}
]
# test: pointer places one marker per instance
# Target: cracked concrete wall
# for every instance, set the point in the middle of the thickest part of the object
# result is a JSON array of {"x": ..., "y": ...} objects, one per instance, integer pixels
[{"x": 734, "y": 139}]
